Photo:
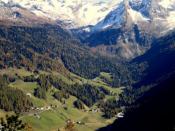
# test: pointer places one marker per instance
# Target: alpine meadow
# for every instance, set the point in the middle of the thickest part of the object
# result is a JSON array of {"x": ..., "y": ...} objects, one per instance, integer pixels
[{"x": 87, "y": 65}]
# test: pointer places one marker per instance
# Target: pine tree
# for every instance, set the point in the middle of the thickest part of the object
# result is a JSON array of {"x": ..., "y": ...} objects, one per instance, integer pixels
[{"x": 12, "y": 123}]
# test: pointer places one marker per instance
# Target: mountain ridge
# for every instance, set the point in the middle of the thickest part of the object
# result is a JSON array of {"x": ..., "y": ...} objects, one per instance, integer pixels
[
  {"x": 76, "y": 13},
  {"x": 136, "y": 24}
]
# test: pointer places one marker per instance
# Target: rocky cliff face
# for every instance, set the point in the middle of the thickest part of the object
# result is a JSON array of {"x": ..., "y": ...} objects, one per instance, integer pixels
[
  {"x": 122, "y": 28},
  {"x": 129, "y": 29}
]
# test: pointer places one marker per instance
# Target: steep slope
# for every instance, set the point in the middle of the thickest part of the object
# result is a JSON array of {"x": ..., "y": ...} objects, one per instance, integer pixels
[
  {"x": 130, "y": 28},
  {"x": 126, "y": 28},
  {"x": 157, "y": 13},
  {"x": 157, "y": 63},
  {"x": 155, "y": 113},
  {"x": 121, "y": 15},
  {"x": 150, "y": 69},
  {"x": 43, "y": 62},
  {"x": 152, "y": 110},
  {"x": 13, "y": 14},
  {"x": 49, "y": 47},
  {"x": 68, "y": 13}
]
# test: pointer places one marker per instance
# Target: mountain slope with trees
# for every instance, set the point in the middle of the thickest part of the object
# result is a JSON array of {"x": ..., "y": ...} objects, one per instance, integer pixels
[
  {"x": 156, "y": 64},
  {"x": 149, "y": 103},
  {"x": 155, "y": 112},
  {"x": 51, "y": 48}
]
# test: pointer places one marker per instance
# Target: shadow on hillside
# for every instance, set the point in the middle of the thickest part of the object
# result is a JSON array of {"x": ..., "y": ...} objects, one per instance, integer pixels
[{"x": 156, "y": 113}]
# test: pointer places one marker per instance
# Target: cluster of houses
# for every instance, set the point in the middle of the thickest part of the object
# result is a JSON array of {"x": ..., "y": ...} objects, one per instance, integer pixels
[
  {"x": 46, "y": 108},
  {"x": 73, "y": 122},
  {"x": 119, "y": 115},
  {"x": 40, "y": 109}
]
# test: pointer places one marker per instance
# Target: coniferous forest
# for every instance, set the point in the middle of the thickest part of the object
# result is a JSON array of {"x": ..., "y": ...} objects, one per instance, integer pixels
[{"x": 74, "y": 75}]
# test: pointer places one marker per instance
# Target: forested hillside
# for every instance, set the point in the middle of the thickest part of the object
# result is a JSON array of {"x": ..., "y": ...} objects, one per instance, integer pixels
[
  {"x": 86, "y": 65},
  {"x": 150, "y": 69},
  {"x": 155, "y": 112},
  {"x": 156, "y": 64},
  {"x": 12, "y": 99},
  {"x": 148, "y": 104},
  {"x": 52, "y": 74},
  {"x": 47, "y": 47}
]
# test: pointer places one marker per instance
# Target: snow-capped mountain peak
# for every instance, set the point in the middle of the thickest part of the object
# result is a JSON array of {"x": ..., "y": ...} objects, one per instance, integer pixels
[
  {"x": 158, "y": 12},
  {"x": 100, "y": 13},
  {"x": 77, "y": 12},
  {"x": 130, "y": 24},
  {"x": 129, "y": 28},
  {"x": 123, "y": 11}
]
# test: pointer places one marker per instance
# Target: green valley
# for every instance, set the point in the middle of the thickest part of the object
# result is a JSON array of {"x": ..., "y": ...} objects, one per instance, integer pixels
[{"x": 51, "y": 114}]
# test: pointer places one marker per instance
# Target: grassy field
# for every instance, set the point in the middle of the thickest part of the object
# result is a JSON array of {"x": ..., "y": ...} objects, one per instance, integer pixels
[
  {"x": 56, "y": 118},
  {"x": 3, "y": 113},
  {"x": 51, "y": 120},
  {"x": 14, "y": 71},
  {"x": 97, "y": 82}
]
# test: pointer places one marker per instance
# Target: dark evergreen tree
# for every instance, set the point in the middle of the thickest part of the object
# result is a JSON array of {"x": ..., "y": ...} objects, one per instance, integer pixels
[
  {"x": 78, "y": 104},
  {"x": 12, "y": 123}
]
